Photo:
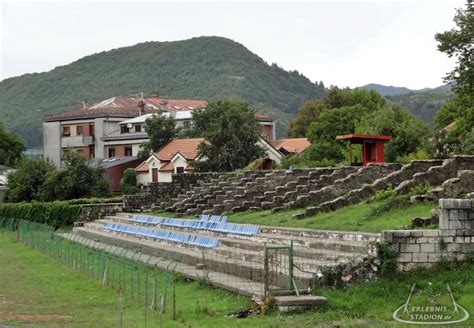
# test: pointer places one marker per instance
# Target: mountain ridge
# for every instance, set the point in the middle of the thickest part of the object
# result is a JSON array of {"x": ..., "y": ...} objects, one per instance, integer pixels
[{"x": 390, "y": 90}]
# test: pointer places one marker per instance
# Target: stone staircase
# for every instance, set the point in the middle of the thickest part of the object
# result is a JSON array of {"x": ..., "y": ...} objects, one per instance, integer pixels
[
  {"x": 325, "y": 190},
  {"x": 256, "y": 190},
  {"x": 461, "y": 185},
  {"x": 367, "y": 191},
  {"x": 437, "y": 175},
  {"x": 237, "y": 264}
]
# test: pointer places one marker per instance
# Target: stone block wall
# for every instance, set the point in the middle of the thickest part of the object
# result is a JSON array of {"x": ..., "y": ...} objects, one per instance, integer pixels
[
  {"x": 94, "y": 212},
  {"x": 163, "y": 191},
  {"x": 454, "y": 240}
]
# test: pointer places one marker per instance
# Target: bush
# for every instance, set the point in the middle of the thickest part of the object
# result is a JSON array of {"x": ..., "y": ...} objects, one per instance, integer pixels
[
  {"x": 128, "y": 183},
  {"x": 54, "y": 214}
]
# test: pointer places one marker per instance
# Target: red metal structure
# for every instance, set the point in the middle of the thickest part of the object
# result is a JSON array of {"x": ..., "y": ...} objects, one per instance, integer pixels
[{"x": 372, "y": 146}]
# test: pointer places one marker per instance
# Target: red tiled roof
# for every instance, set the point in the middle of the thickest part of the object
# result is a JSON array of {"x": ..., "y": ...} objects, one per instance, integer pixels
[
  {"x": 187, "y": 147},
  {"x": 167, "y": 167},
  {"x": 291, "y": 145},
  {"x": 127, "y": 107},
  {"x": 143, "y": 167}
]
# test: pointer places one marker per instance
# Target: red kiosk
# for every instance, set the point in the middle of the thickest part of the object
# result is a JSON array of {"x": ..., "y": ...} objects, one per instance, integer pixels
[{"x": 372, "y": 146}]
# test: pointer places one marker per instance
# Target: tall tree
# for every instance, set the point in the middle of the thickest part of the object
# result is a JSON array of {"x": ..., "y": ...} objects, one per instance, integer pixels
[
  {"x": 161, "y": 129},
  {"x": 26, "y": 181},
  {"x": 408, "y": 133},
  {"x": 232, "y": 132},
  {"x": 308, "y": 113},
  {"x": 11, "y": 146},
  {"x": 459, "y": 43},
  {"x": 76, "y": 179}
]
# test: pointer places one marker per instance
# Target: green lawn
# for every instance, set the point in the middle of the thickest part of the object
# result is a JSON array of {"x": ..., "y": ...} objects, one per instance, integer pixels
[
  {"x": 360, "y": 217},
  {"x": 35, "y": 289}
]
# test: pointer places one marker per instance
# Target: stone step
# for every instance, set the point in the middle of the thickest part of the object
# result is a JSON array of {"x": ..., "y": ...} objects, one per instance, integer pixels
[
  {"x": 325, "y": 240},
  {"x": 241, "y": 266}
]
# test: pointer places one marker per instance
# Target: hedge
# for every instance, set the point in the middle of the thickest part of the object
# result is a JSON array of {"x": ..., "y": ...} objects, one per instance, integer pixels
[{"x": 56, "y": 214}]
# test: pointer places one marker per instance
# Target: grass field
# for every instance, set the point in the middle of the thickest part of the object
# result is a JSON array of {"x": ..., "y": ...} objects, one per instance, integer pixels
[
  {"x": 360, "y": 217},
  {"x": 35, "y": 289}
]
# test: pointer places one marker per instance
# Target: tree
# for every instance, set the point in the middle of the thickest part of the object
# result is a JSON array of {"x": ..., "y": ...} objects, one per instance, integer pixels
[
  {"x": 307, "y": 114},
  {"x": 11, "y": 147},
  {"x": 25, "y": 183},
  {"x": 408, "y": 133},
  {"x": 458, "y": 43},
  {"x": 232, "y": 133},
  {"x": 333, "y": 122},
  {"x": 369, "y": 99},
  {"x": 161, "y": 129},
  {"x": 128, "y": 183},
  {"x": 311, "y": 111},
  {"x": 75, "y": 180}
]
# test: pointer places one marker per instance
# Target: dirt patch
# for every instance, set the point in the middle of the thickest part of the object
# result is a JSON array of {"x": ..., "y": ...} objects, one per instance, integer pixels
[{"x": 8, "y": 316}]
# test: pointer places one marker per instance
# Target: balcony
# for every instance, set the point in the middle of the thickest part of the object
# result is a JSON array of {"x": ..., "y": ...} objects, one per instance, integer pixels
[{"x": 77, "y": 141}]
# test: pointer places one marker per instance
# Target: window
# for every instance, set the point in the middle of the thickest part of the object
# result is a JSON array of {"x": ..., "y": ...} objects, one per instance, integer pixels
[
  {"x": 138, "y": 128},
  {"x": 66, "y": 131},
  {"x": 179, "y": 169},
  {"x": 111, "y": 152},
  {"x": 186, "y": 124},
  {"x": 79, "y": 130},
  {"x": 128, "y": 151},
  {"x": 123, "y": 129}
]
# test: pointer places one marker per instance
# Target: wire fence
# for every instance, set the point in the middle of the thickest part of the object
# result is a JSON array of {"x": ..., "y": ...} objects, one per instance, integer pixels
[{"x": 128, "y": 271}]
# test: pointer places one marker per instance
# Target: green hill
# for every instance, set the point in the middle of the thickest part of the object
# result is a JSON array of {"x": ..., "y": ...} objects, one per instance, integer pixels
[
  {"x": 422, "y": 103},
  {"x": 198, "y": 68}
]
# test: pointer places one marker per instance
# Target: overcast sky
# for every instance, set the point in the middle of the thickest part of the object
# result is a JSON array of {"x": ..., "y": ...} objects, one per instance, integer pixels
[{"x": 339, "y": 43}]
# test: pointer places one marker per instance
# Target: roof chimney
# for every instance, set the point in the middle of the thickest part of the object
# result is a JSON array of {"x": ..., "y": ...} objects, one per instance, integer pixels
[
  {"x": 155, "y": 94},
  {"x": 84, "y": 103},
  {"x": 141, "y": 105}
]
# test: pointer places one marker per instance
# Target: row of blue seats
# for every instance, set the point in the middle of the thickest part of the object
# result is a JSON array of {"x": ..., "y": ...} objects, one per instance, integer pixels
[
  {"x": 213, "y": 218},
  {"x": 234, "y": 228},
  {"x": 178, "y": 237}
]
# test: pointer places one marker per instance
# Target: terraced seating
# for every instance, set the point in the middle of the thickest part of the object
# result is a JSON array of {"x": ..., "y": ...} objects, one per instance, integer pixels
[
  {"x": 229, "y": 228},
  {"x": 177, "y": 237},
  {"x": 213, "y": 218}
]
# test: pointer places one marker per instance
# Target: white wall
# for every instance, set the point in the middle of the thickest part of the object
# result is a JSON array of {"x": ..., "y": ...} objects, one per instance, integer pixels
[
  {"x": 52, "y": 142},
  {"x": 179, "y": 161},
  {"x": 143, "y": 178}
]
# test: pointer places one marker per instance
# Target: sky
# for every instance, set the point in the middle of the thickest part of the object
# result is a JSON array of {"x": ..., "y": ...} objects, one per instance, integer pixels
[{"x": 340, "y": 43}]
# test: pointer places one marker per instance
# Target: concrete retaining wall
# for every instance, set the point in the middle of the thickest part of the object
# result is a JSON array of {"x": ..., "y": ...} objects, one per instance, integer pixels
[{"x": 454, "y": 240}]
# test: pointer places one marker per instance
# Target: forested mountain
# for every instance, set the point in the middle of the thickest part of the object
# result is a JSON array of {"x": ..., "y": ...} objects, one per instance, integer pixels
[
  {"x": 385, "y": 90},
  {"x": 422, "y": 103},
  {"x": 199, "y": 68}
]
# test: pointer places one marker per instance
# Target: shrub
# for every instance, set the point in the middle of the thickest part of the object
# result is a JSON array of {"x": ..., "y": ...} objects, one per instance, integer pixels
[
  {"x": 55, "y": 214},
  {"x": 128, "y": 183}
]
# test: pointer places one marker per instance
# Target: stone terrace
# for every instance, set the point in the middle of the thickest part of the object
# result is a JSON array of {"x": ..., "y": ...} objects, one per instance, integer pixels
[
  {"x": 238, "y": 261},
  {"x": 434, "y": 172},
  {"x": 250, "y": 190}
]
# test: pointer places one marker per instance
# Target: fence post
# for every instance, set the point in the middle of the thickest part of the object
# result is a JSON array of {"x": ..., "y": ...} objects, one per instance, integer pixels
[
  {"x": 265, "y": 270},
  {"x": 290, "y": 267}
]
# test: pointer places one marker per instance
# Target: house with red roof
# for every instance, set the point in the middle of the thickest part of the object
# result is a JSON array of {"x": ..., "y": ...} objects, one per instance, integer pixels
[{"x": 175, "y": 157}]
